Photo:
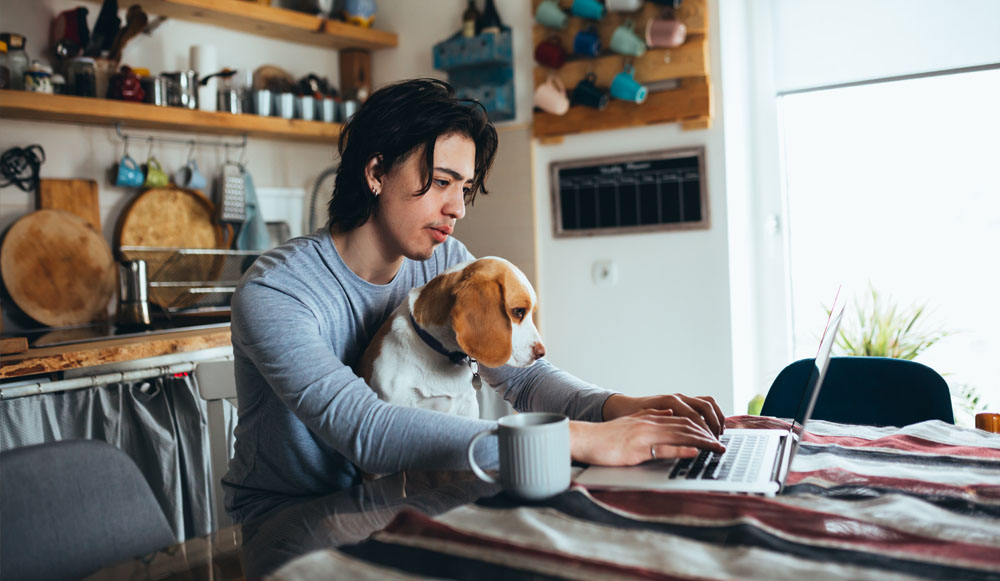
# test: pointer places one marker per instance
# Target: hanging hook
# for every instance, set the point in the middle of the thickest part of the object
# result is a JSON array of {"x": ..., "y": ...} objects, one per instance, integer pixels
[
  {"x": 194, "y": 145},
  {"x": 125, "y": 148},
  {"x": 151, "y": 143},
  {"x": 227, "y": 153},
  {"x": 243, "y": 156}
]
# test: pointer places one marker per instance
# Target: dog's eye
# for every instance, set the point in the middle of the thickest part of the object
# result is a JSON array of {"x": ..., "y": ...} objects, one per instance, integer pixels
[{"x": 519, "y": 313}]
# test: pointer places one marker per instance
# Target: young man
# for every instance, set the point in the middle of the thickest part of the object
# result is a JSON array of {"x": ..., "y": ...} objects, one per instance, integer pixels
[{"x": 411, "y": 158}]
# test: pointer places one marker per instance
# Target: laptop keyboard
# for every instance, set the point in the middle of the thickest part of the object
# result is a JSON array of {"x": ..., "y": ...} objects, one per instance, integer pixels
[{"x": 743, "y": 453}]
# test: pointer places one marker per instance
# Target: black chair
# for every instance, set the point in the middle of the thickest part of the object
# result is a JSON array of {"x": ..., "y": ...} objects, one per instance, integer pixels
[
  {"x": 872, "y": 391},
  {"x": 70, "y": 508}
]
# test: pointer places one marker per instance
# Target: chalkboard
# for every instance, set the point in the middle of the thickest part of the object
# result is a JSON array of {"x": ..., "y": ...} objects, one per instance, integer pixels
[{"x": 652, "y": 191}]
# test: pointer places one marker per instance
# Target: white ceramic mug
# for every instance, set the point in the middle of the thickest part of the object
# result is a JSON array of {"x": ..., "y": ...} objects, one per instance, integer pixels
[
  {"x": 550, "y": 96},
  {"x": 534, "y": 454}
]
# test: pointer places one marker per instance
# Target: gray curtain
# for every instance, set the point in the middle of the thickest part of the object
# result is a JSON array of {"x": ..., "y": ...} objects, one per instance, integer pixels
[{"x": 161, "y": 423}]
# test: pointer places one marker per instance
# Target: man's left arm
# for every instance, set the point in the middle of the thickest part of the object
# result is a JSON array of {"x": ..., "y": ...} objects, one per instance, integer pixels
[{"x": 544, "y": 387}]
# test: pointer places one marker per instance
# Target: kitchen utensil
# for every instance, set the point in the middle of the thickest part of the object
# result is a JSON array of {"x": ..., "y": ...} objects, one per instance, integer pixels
[
  {"x": 155, "y": 90},
  {"x": 625, "y": 41},
  {"x": 81, "y": 73},
  {"x": 188, "y": 176},
  {"x": 665, "y": 32},
  {"x": 346, "y": 109},
  {"x": 78, "y": 197},
  {"x": 550, "y": 14},
  {"x": 38, "y": 78},
  {"x": 155, "y": 176},
  {"x": 133, "y": 304},
  {"x": 69, "y": 32},
  {"x": 587, "y": 42},
  {"x": 590, "y": 9},
  {"x": 170, "y": 217},
  {"x": 587, "y": 93},
  {"x": 284, "y": 105},
  {"x": 550, "y": 96},
  {"x": 135, "y": 21},
  {"x": 231, "y": 202},
  {"x": 58, "y": 269},
  {"x": 182, "y": 89},
  {"x": 19, "y": 166},
  {"x": 262, "y": 102},
  {"x": 306, "y": 107},
  {"x": 626, "y": 88},
  {"x": 125, "y": 85},
  {"x": 550, "y": 53},
  {"x": 105, "y": 29},
  {"x": 129, "y": 173},
  {"x": 17, "y": 59},
  {"x": 273, "y": 79},
  {"x": 204, "y": 59}
]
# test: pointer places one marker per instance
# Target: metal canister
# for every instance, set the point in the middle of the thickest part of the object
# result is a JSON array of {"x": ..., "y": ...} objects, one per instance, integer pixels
[
  {"x": 182, "y": 89},
  {"x": 133, "y": 308},
  {"x": 155, "y": 89}
]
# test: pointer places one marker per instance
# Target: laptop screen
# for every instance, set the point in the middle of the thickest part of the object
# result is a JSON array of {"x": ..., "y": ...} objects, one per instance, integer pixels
[{"x": 820, "y": 365}]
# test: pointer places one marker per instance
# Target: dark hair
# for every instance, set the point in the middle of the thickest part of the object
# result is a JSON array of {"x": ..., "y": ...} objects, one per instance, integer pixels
[{"x": 393, "y": 124}]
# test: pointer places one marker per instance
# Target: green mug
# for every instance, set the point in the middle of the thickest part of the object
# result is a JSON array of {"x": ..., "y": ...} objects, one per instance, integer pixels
[
  {"x": 155, "y": 176},
  {"x": 625, "y": 41},
  {"x": 549, "y": 14}
]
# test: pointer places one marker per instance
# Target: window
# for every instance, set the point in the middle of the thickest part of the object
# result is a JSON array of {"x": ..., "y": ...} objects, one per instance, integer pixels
[{"x": 897, "y": 184}]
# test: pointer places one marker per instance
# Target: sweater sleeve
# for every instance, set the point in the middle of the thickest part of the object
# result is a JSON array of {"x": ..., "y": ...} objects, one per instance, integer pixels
[
  {"x": 281, "y": 336},
  {"x": 543, "y": 387}
]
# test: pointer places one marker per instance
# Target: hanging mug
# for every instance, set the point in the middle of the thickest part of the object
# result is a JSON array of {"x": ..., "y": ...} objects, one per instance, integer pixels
[
  {"x": 587, "y": 93},
  {"x": 189, "y": 176},
  {"x": 626, "y": 88},
  {"x": 549, "y": 14},
  {"x": 665, "y": 32},
  {"x": 625, "y": 41},
  {"x": 587, "y": 42},
  {"x": 550, "y": 96},
  {"x": 129, "y": 173},
  {"x": 590, "y": 9},
  {"x": 550, "y": 53},
  {"x": 623, "y": 5},
  {"x": 155, "y": 176}
]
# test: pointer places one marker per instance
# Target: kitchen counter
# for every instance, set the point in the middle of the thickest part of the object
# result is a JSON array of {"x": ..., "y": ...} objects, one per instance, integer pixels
[{"x": 53, "y": 359}]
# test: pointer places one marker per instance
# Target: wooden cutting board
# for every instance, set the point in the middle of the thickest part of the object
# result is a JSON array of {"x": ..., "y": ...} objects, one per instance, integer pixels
[
  {"x": 170, "y": 217},
  {"x": 79, "y": 197},
  {"x": 58, "y": 269}
]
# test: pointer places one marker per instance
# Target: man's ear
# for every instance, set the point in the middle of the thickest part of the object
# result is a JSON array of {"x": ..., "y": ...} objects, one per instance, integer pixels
[{"x": 374, "y": 171}]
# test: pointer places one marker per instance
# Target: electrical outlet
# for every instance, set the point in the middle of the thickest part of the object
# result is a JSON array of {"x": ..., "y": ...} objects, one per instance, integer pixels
[{"x": 605, "y": 273}]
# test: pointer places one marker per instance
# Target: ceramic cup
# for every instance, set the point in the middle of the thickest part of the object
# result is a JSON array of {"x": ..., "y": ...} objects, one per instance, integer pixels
[
  {"x": 590, "y": 9},
  {"x": 188, "y": 176},
  {"x": 623, "y": 5},
  {"x": 626, "y": 88},
  {"x": 534, "y": 454},
  {"x": 262, "y": 102},
  {"x": 306, "y": 106},
  {"x": 587, "y": 42},
  {"x": 327, "y": 109},
  {"x": 665, "y": 32},
  {"x": 129, "y": 173},
  {"x": 589, "y": 94},
  {"x": 155, "y": 176},
  {"x": 550, "y": 96},
  {"x": 625, "y": 41},
  {"x": 989, "y": 422},
  {"x": 550, "y": 53},
  {"x": 284, "y": 105},
  {"x": 549, "y": 14}
]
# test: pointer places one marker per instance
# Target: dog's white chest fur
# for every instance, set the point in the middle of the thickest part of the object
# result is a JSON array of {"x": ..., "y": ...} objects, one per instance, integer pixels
[{"x": 408, "y": 372}]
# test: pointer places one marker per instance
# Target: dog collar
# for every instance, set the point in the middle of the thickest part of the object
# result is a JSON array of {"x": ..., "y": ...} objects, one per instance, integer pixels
[{"x": 456, "y": 357}]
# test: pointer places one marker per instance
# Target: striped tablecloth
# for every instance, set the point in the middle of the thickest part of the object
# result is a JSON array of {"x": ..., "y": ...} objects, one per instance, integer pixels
[{"x": 861, "y": 503}]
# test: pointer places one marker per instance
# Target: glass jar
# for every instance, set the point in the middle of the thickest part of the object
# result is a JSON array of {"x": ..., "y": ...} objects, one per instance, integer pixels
[
  {"x": 81, "y": 77},
  {"x": 4, "y": 68},
  {"x": 17, "y": 59}
]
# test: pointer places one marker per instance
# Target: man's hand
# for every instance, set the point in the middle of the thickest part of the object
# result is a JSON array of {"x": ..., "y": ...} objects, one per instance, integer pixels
[
  {"x": 701, "y": 410},
  {"x": 636, "y": 438}
]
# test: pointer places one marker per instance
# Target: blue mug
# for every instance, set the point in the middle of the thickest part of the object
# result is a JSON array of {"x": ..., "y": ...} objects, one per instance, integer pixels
[
  {"x": 590, "y": 9},
  {"x": 626, "y": 88},
  {"x": 129, "y": 173},
  {"x": 188, "y": 176},
  {"x": 549, "y": 14},
  {"x": 587, "y": 43}
]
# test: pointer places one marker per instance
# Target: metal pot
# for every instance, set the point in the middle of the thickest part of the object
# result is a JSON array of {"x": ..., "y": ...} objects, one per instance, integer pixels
[{"x": 182, "y": 89}]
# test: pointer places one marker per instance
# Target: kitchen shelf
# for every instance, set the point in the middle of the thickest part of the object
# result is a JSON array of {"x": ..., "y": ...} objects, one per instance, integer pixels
[
  {"x": 271, "y": 22},
  {"x": 91, "y": 111}
]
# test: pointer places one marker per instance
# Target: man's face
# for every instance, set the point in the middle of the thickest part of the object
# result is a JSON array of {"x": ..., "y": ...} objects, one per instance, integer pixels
[{"x": 414, "y": 224}]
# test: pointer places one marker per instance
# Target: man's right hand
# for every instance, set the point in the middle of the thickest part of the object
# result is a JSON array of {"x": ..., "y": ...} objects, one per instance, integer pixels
[{"x": 632, "y": 439}]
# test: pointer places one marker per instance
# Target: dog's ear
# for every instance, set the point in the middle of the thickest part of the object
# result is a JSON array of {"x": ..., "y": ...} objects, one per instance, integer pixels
[{"x": 479, "y": 319}]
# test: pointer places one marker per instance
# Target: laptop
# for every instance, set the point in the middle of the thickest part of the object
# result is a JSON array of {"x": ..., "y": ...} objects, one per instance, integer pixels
[{"x": 755, "y": 461}]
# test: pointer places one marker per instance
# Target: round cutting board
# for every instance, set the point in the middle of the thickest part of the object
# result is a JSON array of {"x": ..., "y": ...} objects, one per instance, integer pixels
[
  {"x": 58, "y": 269},
  {"x": 170, "y": 217}
]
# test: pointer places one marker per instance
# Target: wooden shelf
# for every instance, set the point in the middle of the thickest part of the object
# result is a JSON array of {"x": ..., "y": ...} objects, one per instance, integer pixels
[
  {"x": 691, "y": 102},
  {"x": 67, "y": 109},
  {"x": 270, "y": 22}
]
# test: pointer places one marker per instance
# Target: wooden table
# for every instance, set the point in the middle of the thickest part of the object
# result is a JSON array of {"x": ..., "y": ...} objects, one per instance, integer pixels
[{"x": 861, "y": 503}]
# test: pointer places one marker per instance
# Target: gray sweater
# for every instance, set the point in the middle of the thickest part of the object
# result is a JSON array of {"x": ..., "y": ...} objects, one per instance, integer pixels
[{"x": 307, "y": 424}]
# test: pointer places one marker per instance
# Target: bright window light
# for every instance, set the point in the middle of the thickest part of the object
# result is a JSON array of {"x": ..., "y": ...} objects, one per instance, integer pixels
[{"x": 897, "y": 185}]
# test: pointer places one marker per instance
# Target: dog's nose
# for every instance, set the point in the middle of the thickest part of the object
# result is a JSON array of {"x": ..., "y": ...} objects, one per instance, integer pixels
[{"x": 538, "y": 350}]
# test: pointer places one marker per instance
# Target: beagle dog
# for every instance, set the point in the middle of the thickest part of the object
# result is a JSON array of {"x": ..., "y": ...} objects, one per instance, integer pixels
[{"x": 427, "y": 354}]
